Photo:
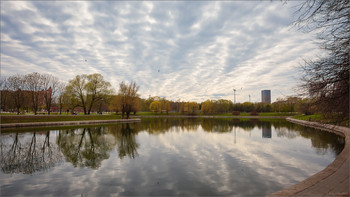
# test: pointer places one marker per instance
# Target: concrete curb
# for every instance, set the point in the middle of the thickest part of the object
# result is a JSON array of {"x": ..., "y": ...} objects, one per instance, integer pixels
[
  {"x": 194, "y": 116},
  {"x": 85, "y": 122},
  {"x": 331, "y": 181}
]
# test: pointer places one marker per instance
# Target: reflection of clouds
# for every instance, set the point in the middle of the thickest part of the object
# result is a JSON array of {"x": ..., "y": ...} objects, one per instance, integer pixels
[{"x": 184, "y": 163}]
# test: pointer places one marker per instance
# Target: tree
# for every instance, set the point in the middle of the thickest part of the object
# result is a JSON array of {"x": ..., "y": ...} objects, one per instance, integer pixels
[
  {"x": 167, "y": 107},
  {"x": 98, "y": 89},
  {"x": 5, "y": 94},
  {"x": 88, "y": 89},
  {"x": 34, "y": 85},
  {"x": 207, "y": 107},
  {"x": 16, "y": 85},
  {"x": 50, "y": 85},
  {"x": 155, "y": 106},
  {"x": 326, "y": 80},
  {"x": 60, "y": 98},
  {"x": 129, "y": 97},
  {"x": 191, "y": 107},
  {"x": 116, "y": 103}
]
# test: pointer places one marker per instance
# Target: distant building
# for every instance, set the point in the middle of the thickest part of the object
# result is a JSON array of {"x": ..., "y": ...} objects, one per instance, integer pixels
[{"x": 266, "y": 96}]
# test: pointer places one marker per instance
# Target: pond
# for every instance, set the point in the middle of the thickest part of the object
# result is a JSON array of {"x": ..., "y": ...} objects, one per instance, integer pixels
[{"x": 167, "y": 157}]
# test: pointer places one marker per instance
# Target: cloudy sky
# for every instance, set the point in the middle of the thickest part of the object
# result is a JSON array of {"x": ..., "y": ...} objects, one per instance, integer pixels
[{"x": 191, "y": 51}]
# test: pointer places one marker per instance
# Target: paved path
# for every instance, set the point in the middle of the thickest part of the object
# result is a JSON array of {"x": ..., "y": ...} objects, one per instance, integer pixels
[
  {"x": 85, "y": 122},
  {"x": 334, "y": 179}
]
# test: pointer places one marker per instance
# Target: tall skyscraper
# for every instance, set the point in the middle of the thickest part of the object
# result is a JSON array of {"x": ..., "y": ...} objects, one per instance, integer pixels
[{"x": 266, "y": 96}]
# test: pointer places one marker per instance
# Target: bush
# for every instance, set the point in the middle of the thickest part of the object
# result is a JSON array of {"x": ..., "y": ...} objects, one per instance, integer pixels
[
  {"x": 236, "y": 113},
  {"x": 254, "y": 113}
]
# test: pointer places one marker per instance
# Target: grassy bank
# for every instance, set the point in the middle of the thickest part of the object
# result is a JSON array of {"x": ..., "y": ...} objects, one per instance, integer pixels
[
  {"x": 11, "y": 118},
  {"x": 53, "y": 118},
  {"x": 322, "y": 119}
]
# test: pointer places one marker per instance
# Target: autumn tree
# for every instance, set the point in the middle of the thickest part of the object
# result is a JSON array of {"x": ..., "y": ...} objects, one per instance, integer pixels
[
  {"x": 326, "y": 79},
  {"x": 116, "y": 104},
  {"x": 155, "y": 106},
  {"x": 191, "y": 107},
  {"x": 167, "y": 107},
  {"x": 207, "y": 107},
  {"x": 129, "y": 97}
]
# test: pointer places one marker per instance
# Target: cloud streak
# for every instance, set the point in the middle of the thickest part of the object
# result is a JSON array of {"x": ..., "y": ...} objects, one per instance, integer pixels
[{"x": 181, "y": 50}]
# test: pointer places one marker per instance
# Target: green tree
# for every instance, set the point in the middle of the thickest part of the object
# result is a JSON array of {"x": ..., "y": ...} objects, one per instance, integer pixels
[{"x": 88, "y": 89}]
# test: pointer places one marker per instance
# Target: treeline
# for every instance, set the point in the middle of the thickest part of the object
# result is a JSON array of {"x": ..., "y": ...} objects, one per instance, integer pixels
[
  {"x": 39, "y": 93},
  {"x": 288, "y": 104}
]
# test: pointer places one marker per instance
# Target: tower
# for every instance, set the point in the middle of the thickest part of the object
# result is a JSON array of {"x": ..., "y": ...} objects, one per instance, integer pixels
[{"x": 266, "y": 96}]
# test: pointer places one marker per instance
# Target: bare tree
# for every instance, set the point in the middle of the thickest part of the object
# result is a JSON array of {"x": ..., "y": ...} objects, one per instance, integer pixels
[
  {"x": 129, "y": 97},
  {"x": 60, "y": 95},
  {"x": 50, "y": 85},
  {"x": 34, "y": 85},
  {"x": 4, "y": 93},
  {"x": 326, "y": 80},
  {"x": 16, "y": 84}
]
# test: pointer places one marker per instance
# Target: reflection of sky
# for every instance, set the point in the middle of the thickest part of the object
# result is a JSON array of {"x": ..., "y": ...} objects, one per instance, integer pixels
[{"x": 184, "y": 163}]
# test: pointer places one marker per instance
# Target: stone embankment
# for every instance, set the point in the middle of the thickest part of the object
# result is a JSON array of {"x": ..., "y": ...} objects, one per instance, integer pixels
[
  {"x": 331, "y": 181},
  {"x": 85, "y": 122}
]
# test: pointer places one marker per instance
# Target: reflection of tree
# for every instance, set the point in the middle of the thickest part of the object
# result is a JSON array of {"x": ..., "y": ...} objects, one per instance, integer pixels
[
  {"x": 27, "y": 157},
  {"x": 86, "y": 147},
  {"x": 217, "y": 125},
  {"x": 320, "y": 140},
  {"x": 127, "y": 145}
]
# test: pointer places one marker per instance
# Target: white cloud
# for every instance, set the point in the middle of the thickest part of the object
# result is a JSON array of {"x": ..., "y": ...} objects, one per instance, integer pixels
[{"x": 188, "y": 50}]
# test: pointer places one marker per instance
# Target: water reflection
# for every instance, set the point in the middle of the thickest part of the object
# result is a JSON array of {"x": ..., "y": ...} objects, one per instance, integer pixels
[
  {"x": 28, "y": 155},
  {"x": 267, "y": 132},
  {"x": 167, "y": 157},
  {"x": 85, "y": 147}
]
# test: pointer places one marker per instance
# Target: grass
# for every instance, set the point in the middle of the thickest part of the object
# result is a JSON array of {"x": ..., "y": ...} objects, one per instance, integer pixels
[
  {"x": 53, "y": 118},
  {"x": 322, "y": 119}
]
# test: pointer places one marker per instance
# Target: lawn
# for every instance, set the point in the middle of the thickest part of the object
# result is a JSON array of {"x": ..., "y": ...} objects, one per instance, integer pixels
[
  {"x": 322, "y": 119},
  {"x": 54, "y": 118}
]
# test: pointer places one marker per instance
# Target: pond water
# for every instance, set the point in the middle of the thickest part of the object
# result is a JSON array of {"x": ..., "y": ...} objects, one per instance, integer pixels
[{"x": 167, "y": 157}]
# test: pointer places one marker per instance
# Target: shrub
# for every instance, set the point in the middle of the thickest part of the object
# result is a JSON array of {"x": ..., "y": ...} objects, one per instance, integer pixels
[
  {"x": 254, "y": 113},
  {"x": 236, "y": 113}
]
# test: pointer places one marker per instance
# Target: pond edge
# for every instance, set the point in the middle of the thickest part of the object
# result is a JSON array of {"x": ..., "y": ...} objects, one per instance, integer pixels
[
  {"x": 315, "y": 185},
  {"x": 84, "y": 122}
]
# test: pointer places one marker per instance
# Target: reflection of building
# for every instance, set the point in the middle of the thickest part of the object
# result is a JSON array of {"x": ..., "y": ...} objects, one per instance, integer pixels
[
  {"x": 266, "y": 96},
  {"x": 266, "y": 132}
]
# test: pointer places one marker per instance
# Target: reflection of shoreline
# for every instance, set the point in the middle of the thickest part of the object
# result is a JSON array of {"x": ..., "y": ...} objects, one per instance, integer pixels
[{"x": 85, "y": 122}]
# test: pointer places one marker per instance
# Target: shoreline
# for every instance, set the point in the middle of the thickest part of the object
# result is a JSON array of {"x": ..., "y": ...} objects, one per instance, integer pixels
[
  {"x": 331, "y": 181},
  {"x": 66, "y": 123}
]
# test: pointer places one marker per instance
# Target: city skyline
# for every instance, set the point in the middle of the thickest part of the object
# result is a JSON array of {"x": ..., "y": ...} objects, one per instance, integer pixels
[{"x": 179, "y": 50}]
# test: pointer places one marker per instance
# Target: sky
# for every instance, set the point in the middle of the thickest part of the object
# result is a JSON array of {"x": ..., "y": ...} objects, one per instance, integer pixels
[{"x": 180, "y": 50}]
